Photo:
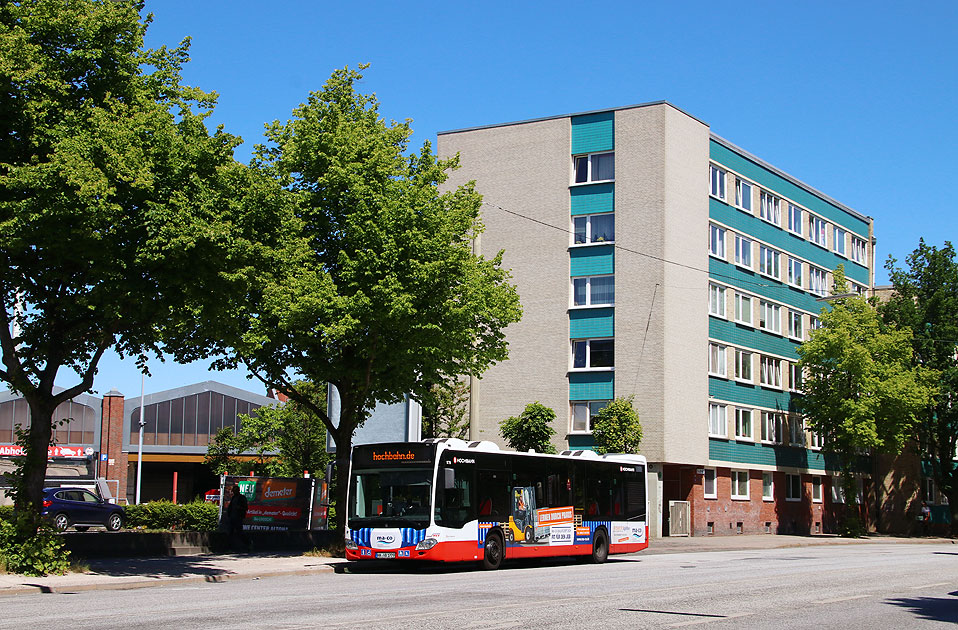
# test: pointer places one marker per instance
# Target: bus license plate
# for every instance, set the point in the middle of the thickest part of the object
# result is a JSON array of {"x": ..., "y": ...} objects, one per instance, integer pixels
[{"x": 385, "y": 554}]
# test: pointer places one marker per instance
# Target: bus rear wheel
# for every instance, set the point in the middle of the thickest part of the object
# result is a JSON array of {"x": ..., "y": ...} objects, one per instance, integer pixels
[
  {"x": 600, "y": 547},
  {"x": 493, "y": 552}
]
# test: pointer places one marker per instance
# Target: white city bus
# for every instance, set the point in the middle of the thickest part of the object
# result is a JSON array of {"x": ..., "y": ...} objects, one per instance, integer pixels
[{"x": 451, "y": 501}]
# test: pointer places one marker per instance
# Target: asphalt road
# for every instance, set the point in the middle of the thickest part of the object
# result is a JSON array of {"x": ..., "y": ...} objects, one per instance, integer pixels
[{"x": 894, "y": 586}]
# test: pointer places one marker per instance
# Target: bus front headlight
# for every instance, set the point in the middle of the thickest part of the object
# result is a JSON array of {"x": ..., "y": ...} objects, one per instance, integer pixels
[
  {"x": 426, "y": 543},
  {"x": 351, "y": 545}
]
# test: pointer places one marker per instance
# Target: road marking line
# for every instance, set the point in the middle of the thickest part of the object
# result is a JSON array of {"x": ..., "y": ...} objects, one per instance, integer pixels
[
  {"x": 695, "y": 622},
  {"x": 841, "y": 599},
  {"x": 929, "y": 585}
]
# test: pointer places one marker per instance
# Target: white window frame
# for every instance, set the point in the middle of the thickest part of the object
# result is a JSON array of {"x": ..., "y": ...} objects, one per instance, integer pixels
[
  {"x": 588, "y": 229},
  {"x": 770, "y": 316},
  {"x": 795, "y": 217},
  {"x": 740, "y": 311},
  {"x": 743, "y": 201},
  {"x": 590, "y": 158},
  {"x": 768, "y": 261},
  {"x": 794, "y": 271},
  {"x": 588, "y": 291},
  {"x": 817, "y": 281},
  {"x": 591, "y": 408},
  {"x": 768, "y": 486},
  {"x": 717, "y": 301},
  {"x": 718, "y": 362},
  {"x": 796, "y": 431},
  {"x": 770, "y": 372},
  {"x": 744, "y": 428},
  {"x": 770, "y": 427},
  {"x": 795, "y": 328},
  {"x": 838, "y": 493},
  {"x": 718, "y": 420},
  {"x": 814, "y": 440},
  {"x": 717, "y": 241},
  {"x": 770, "y": 208},
  {"x": 710, "y": 478},
  {"x": 794, "y": 377},
  {"x": 717, "y": 181},
  {"x": 817, "y": 230},
  {"x": 860, "y": 250},
  {"x": 816, "y": 489},
  {"x": 743, "y": 251},
  {"x": 838, "y": 240},
  {"x": 743, "y": 366},
  {"x": 588, "y": 354},
  {"x": 790, "y": 491},
  {"x": 736, "y": 478},
  {"x": 814, "y": 323}
]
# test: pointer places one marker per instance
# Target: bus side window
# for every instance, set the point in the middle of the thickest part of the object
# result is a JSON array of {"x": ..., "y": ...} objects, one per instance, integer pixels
[{"x": 494, "y": 496}]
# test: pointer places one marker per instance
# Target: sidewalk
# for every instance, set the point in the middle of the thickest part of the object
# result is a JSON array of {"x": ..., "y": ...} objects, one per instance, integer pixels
[{"x": 127, "y": 573}]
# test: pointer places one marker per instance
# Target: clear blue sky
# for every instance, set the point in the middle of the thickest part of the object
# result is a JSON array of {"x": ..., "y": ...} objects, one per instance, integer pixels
[{"x": 856, "y": 99}]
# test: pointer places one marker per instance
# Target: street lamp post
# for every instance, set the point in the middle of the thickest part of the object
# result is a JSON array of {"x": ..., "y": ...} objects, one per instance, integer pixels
[{"x": 139, "y": 457}]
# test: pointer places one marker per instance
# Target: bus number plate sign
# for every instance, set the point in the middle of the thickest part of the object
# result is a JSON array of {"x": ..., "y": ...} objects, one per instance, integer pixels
[{"x": 385, "y": 554}]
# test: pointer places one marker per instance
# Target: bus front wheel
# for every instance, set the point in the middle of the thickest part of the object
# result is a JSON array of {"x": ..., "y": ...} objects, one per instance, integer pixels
[
  {"x": 493, "y": 552},
  {"x": 600, "y": 547}
]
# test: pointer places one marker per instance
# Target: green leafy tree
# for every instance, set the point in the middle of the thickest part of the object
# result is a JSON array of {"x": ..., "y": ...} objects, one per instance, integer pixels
[
  {"x": 120, "y": 213},
  {"x": 388, "y": 295},
  {"x": 860, "y": 390},
  {"x": 925, "y": 299},
  {"x": 616, "y": 428},
  {"x": 444, "y": 410},
  {"x": 222, "y": 454},
  {"x": 530, "y": 430}
]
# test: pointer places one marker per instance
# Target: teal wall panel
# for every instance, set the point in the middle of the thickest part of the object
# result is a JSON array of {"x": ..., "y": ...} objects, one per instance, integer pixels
[
  {"x": 784, "y": 240},
  {"x": 593, "y": 132},
  {"x": 763, "y": 286},
  {"x": 776, "y": 183},
  {"x": 581, "y": 442},
  {"x": 768, "y": 455},
  {"x": 590, "y": 261},
  {"x": 587, "y": 323},
  {"x": 592, "y": 199},
  {"x": 753, "y": 395},
  {"x": 591, "y": 385},
  {"x": 756, "y": 339}
]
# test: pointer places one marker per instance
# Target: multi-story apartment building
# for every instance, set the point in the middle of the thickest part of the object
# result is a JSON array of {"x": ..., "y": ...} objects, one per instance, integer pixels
[{"x": 656, "y": 260}]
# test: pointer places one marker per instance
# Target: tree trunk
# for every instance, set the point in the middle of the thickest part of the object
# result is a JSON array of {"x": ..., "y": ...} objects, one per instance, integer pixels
[
  {"x": 344, "y": 447},
  {"x": 28, "y": 497}
]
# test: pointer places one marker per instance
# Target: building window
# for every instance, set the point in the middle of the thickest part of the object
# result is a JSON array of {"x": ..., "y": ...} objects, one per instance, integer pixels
[
  {"x": 794, "y": 219},
  {"x": 793, "y": 487},
  {"x": 717, "y": 300},
  {"x": 859, "y": 251},
  {"x": 931, "y": 495},
  {"x": 769, "y": 208},
  {"x": 593, "y": 291},
  {"x": 708, "y": 484},
  {"x": 743, "y": 309},
  {"x": 814, "y": 440},
  {"x": 743, "y": 251},
  {"x": 718, "y": 424},
  {"x": 795, "y": 272},
  {"x": 838, "y": 492},
  {"x": 595, "y": 167},
  {"x": 770, "y": 316},
  {"x": 743, "y": 424},
  {"x": 794, "y": 377},
  {"x": 771, "y": 427},
  {"x": 584, "y": 413},
  {"x": 816, "y": 489},
  {"x": 739, "y": 484},
  {"x": 796, "y": 431},
  {"x": 795, "y": 325},
  {"x": 593, "y": 353},
  {"x": 717, "y": 360},
  {"x": 768, "y": 486},
  {"x": 717, "y": 182},
  {"x": 816, "y": 281},
  {"x": 813, "y": 324},
  {"x": 771, "y": 372},
  {"x": 717, "y": 241},
  {"x": 816, "y": 230},
  {"x": 593, "y": 228},
  {"x": 768, "y": 261},
  {"x": 743, "y": 194},
  {"x": 743, "y": 365},
  {"x": 838, "y": 241}
]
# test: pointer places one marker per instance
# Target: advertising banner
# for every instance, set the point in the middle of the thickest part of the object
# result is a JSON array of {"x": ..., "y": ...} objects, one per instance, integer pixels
[
  {"x": 275, "y": 503},
  {"x": 12, "y": 450}
]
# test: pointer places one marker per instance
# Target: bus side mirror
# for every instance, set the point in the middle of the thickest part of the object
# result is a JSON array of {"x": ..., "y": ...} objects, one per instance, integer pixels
[{"x": 449, "y": 478}]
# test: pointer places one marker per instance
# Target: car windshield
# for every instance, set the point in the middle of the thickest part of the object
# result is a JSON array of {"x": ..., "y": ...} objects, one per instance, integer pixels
[{"x": 387, "y": 497}]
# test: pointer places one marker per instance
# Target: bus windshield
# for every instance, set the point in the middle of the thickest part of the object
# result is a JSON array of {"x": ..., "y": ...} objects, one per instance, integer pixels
[{"x": 386, "y": 497}]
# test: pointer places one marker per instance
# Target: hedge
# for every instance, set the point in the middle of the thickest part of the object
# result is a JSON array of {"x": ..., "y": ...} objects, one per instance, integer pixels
[{"x": 197, "y": 517}]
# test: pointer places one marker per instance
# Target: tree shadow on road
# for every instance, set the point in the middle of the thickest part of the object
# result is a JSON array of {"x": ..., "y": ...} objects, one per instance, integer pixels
[
  {"x": 171, "y": 566},
  {"x": 930, "y": 608}
]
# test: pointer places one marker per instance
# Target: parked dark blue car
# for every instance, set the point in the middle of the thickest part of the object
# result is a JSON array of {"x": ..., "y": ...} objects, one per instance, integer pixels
[{"x": 81, "y": 509}]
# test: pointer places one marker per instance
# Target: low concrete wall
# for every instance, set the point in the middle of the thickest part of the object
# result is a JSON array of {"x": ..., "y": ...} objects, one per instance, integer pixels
[{"x": 99, "y": 544}]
